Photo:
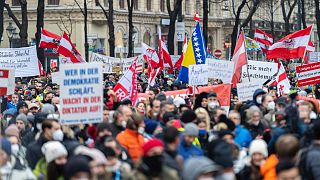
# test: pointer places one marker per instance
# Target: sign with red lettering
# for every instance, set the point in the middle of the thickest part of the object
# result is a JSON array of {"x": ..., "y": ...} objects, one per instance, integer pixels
[
  {"x": 81, "y": 94},
  {"x": 308, "y": 74}
]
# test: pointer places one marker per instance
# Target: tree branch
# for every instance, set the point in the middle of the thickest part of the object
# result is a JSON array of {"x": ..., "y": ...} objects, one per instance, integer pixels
[
  {"x": 79, "y": 6},
  {"x": 169, "y": 7},
  {"x": 13, "y": 17},
  {"x": 104, "y": 10}
]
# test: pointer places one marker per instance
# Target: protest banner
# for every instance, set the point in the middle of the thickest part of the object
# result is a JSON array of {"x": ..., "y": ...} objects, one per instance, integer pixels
[
  {"x": 81, "y": 97},
  {"x": 108, "y": 62},
  {"x": 259, "y": 71},
  {"x": 23, "y": 60},
  {"x": 218, "y": 69},
  {"x": 246, "y": 90},
  {"x": 127, "y": 62},
  {"x": 314, "y": 57},
  {"x": 56, "y": 77},
  {"x": 7, "y": 81},
  {"x": 308, "y": 74},
  {"x": 198, "y": 74}
]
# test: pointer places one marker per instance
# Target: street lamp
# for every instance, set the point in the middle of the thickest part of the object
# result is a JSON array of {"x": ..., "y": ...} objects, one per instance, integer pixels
[{"x": 10, "y": 32}]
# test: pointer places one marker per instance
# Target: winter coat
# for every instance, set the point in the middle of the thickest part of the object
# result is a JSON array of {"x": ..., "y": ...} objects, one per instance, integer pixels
[
  {"x": 312, "y": 161},
  {"x": 242, "y": 136},
  {"x": 34, "y": 153},
  {"x": 268, "y": 169},
  {"x": 40, "y": 171},
  {"x": 15, "y": 169},
  {"x": 116, "y": 129},
  {"x": 188, "y": 151},
  {"x": 256, "y": 130},
  {"x": 170, "y": 160},
  {"x": 166, "y": 173}
]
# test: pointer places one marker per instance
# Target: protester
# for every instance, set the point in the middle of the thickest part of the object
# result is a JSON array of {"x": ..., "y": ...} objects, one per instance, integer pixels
[{"x": 186, "y": 148}]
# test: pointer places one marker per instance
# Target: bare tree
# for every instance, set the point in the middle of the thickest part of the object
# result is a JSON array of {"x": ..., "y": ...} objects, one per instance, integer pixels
[
  {"x": 40, "y": 17},
  {"x": 84, "y": 12},
  {"x": 317, "y": 12},
  {"x": 130, "y": 39},
  {"x": 173, "y": 13},
  {"x": 2, "y": 3},
  {"x": 269, "y": 8},
  {"x": 109, "y": 17},
  {"x": 23, "y": 25},
  {"x": 303, "y": 14},
  {"x": 66, "y": 23},
  {"x": 287, "y": 7},
  {"x": 205, "y": 20}
]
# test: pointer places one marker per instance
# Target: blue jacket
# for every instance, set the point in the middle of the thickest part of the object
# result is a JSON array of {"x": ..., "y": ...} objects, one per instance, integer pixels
[
  {"x": 188, "y": 151},
  {"x": 242, "y": 137},
  {"x": 10, "y": 105}
]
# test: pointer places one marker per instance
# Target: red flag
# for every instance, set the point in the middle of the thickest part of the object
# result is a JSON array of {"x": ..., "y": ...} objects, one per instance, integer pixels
[
  {"x": 196, "y": 17},
  {"x": 179, "y": 62},
  {"x": 164, "y": 54},
  {"x": 239, "y": 58},
  {"x": 292, "y": 46},
  {"x": 264, "y": 39},
  {"x": 310, "y": 48},
  {"x": 152, "y": 76},
  {"x": 150, "y": 55},
  {"x": 41, "y": 70},
  {"x": 67, "y": 49},
  {"x": 49, "y": 39}
]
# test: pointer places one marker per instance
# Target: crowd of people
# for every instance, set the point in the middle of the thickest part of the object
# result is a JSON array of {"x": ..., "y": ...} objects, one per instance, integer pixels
[{"x": 159, "y": 137}]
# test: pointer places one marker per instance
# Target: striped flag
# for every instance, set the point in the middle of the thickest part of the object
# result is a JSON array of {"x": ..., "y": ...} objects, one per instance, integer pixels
[
  {"x": 67, "y": 49},
  {"x": 178, "y": 63},
  {"x": 264, "y": 40},
  {"x": 283, "y": 83},
  {"x": 49, "y": 39},
  {"x": 7, "y": 80}
]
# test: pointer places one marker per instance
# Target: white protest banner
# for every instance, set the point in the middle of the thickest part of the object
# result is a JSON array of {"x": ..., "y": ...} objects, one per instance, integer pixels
[
  {"x": 308, "y": 74},
  {"x": 81, "y": 93},
  {"x": 108, "y": 62},
  {"x": 219, "y": 69},
  {"x": 259, "y": 71},
  {"x": 23, "y": 60},
  {"x": 198, "y": 75},
  {"x": 246, "y": 90},
  {"x": 7, "y": 81},
  {"x": 127, "y": 62},
  {"x": 56, "y": 77},
  {"x": 314, "y": 56}
]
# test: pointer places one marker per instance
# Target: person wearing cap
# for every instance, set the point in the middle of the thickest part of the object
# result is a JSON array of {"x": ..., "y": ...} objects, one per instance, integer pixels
[
  {"x": 22, "y": 124},
  {"x": 197, "y": 168},
  {"x": 186, "y": 147},
  {"x": 33, "y": 108},
  {"x": 22, "y": 107},
  {"x": 13, "y": 135},
  {"x": 52, "y": 164},
  {"x": 152, "y": 164}
]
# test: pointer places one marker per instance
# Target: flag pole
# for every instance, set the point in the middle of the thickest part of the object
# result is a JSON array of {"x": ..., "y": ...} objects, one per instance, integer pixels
[{"x": 245, "y": 47}]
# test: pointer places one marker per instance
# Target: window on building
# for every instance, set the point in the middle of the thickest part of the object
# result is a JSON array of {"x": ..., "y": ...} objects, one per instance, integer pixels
[
  {"x": 15, "y": 3},
  {"x": 147, "y": 38},
  {"x": 121, "y": 4},
  {"x": 149, "y": 5},
  {"x": 135, "y": 4},
  {"x": 162, "y": 5},
  {"x": 53, "y": 2},
  {"x": 187, "y": 6}
]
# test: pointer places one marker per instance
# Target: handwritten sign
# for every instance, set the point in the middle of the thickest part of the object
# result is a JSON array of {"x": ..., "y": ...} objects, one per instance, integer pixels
[
  {"x": 127, "y": 62},
  {"x": 108, "y": 62},
  {"x": 81, "y": 95},
  {"x": 198, "y": 75},
  {"x": 258, "y": 71},
  {"x": 23, "y": 60},
  {"x": 246, "y": 90},
  {"x": 219, "y": 69}
]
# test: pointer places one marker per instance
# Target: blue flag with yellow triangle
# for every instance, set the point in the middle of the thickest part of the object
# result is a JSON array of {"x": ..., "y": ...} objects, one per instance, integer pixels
[{"x": 195, "y": 53}]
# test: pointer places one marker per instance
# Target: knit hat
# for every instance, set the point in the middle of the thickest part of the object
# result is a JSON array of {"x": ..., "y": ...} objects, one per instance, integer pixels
[
  {"x": 93, "y": 153},
  {"x": 188, "y": 116},
  {"x": 39, "y": 117},
  {"x": 168, "y": 116},
  {"x": 76, "y": 164},
  {"x": 21, "y": 104},
  {"x": 196, "y": 166},
  {"x": 53, "y": 150},
  {"x": 12, "y": 130},
  {"x": 191, "y": 129},
  {"x": 6, "y": 146},
  {"x": 178, "y": 101},
  {"x": 48, "y": 108},
  {"x": 27, "y": 93},
  {"x": 30, "y": 118},
  {"x": 23, "y": 118},
  {"x": 152, "y": 143},
  {"x": 11, "y": 111},
  {"x": 32, "y": 105},
  {"x": 258, "y": 146},
  {"x": 151, "y": 126}
]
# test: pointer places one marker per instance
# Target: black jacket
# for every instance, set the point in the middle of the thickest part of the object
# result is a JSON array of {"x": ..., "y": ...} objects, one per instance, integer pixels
[{"x": 34, "y": 153}]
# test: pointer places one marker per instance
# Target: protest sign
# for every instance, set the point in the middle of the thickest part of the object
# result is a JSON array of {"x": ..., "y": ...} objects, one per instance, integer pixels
[
  {"x": 81, "y": 97},
  {"x": 127, "y": 62},
  {"x": 259, "y": 71},
  {"x": 314, "y": 57},
  {"x": 246, "y": 90},
  {"x": 56, "y": 77},
  {"x": 198, "y": 75},
  {"x": 218, "y": 69},
  {"x": 23, "y": 60},
  {"x": 308, "y": 74},
  {"x": 108, "y": 62},
  {"x": 7, "y": 82}
]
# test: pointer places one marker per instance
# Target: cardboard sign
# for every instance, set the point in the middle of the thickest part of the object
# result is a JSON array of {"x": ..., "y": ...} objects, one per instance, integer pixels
[
  {"x": 198, "y": 75},
  {"x": 108, "y": 62},
  {"x": 246, "y": 90},
  {"x": 308, "y": 74},
  {"x": 218, "y": 69},
  {"x": 23, "y": 60},
  {"x": 259, "y": 71},
  {"x": 81, "y": 93},
  {"x": 7, "y": 82}
]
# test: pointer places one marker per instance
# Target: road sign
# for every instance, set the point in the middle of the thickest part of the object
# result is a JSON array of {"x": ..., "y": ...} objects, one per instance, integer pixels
[
  {"x": 180, "y": 31},
  {"x": 217, "y": 53}
]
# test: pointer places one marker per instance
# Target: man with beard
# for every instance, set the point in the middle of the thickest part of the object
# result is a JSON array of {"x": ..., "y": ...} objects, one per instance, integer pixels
[
  {"x": 47, "y": 97},
  {"x": 152, "y": 165}
]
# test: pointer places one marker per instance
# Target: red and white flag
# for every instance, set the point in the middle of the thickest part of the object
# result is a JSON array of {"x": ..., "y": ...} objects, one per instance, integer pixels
[
  {"x": 292, "y": 46},
  {"x": 67, "y": 49},
  {"x": 179, "y": 62},
  {"x": 7, "y": 79},
  {"x": 310, "y": 48},
  {"x": 152, "y": 77},
  {"x": 264, "y": 39},
  {"x": 164, "y": 54},
  {"x": 127, "y": 85},
  {"x": 150, "y": 55},
  {"x": 41, "y": 70},
  {"x": 239, "y": 58},
  {"x": 196, "y": 17},
  {"x": 283, "y": 83},
  {"x": 49, "y": 39}
]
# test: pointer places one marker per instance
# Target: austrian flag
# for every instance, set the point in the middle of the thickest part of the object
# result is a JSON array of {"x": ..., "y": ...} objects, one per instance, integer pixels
[
  {"x": 49, "y": 39},
  {"x": 67, "y": 49}
]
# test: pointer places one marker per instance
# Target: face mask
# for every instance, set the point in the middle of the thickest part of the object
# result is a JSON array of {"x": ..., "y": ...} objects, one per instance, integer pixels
[
  {"x": 15, "y": 149},
  {"x": 213, "y": 105},
  {"x": 154, "y": 163},
  {"x": 259, "y": 100},
  {"x": 271, "y": 105},
  {"x": 39, "y": 126},
  {"x": 124, "y": 124},
  {"x": 8, "y": 119},
  {"x": 202, "y": 132},
  {"x": 313, "y": 115},
  {"x": 141, "y": 130},
  {"x": 58, "y": 135},
  {"x": 155, "y": 114}
]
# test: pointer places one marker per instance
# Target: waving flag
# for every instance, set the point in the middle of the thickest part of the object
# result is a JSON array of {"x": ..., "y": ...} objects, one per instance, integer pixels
[
  {"x": 292, "y": 46},
  {"x": 252, "y": 45},
  {"x": 178, "y": 63},
  {"x": 264, "y": 39},
  {"x": 283, "y": 83},
  {"x": 195, "y": 53},
  {"x": 164, "y": 54},
  {"x": 49, "y": 39},
  {"x": 239, "y": 58},
  {"x": 150, "y": 55},
  {"x": 67, "y": 49},
  {"x": 310, "y": 48},
  {"x": 196, "y": 17},
  {"x": 152, "y": 77}
]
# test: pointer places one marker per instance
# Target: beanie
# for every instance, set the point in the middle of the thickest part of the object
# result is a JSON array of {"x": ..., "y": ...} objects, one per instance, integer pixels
[
  {"x": 76, "y": 164},
  {"x": 196, "y": 166},
  {"x": 191, "y": 129},
  {"x": 30, "y": 118},
  {"x": 53, "y": 150},
  {"x": 151, "y": 126},
  {"x": 258, "y": 146},
  {"x": 6, "y": 146},
  {"x": 188, "y": 116},
  {"x": 39, "y": 117},
  {"x": 178, "y": 101},
  {"x": 22, "y": 117},
  {"x": 12, "y": 130},
  {"x": 152, "y": 143},
  {"x": 21, "y": 104},
  {"x": 48, "y": 109}
]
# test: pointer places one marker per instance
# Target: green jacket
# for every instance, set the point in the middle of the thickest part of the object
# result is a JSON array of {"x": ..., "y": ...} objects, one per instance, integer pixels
[{"x": 40, "y": 171}]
